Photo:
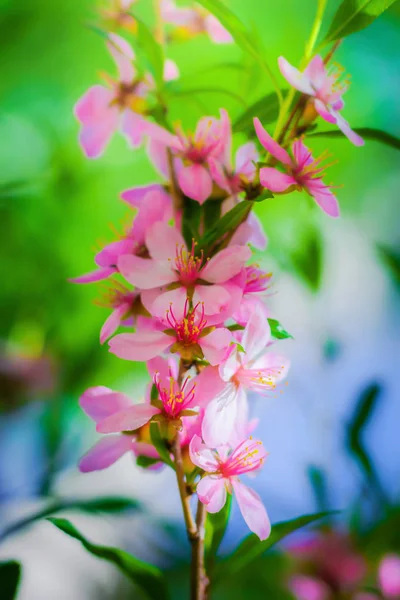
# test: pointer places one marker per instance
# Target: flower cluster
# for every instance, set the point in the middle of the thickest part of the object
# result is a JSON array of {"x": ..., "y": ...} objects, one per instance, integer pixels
[{"x": 188, "y": 292}]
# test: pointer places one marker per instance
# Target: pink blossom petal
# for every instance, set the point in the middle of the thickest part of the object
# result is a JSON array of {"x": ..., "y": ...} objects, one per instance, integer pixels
[
  {"x": 140, "y": 346},
  {"x": 252, "y": 509},
  {"x": 389, "y": 576},
  {"x": 163, "y": 367},
  {"x": 112, "y": 323},
  {"x": 135, "y": 196},
  {"x": 302, "y": 154},
  {"x": 300, "y": 81},
  {"x": 146, "y": 273},
  {"x": 215, "y": 298},
  {"x": 97, "y": 275},
  {"x": 277, "y": 363},
  {"x": 316, "y": 72},
  {"x": 95, "y": 135},
  {"x": 105, "y": 453},
  {"x": 100, "y": 402},
  {"x": 155, "y": 206},
  {"x": 324, "y": 197},
  {"x": 202, "y": 456},
  {"x": 108, "y": 256},
  {"x": 226, "y": 264},
  {"x": 123, "y": 55},
  {"x": 128, "y": 419},
  {"x": 348, "y": 132},
  {"x": 270, "y": 145},
  {"x": 163, "y": 241},
  {"x": 256, "y": 335},
  {"x": 230, "y": 365},
  {"x": 219, "y": 420},
  {"x": 157, "y": 153},
  {"x": 275, "y": 180},
  {"x": 246, "y": 156},
  {"x": 324, "y": 112},
  {"x": 134, "y": 127},
  {"x": 211, "y": 491},
  {"x": 195, "y": 182},
  {"x": 144, "y": 449},
  {"x": 219, "y": 175},
  {"x": 164, "y": 300},
  {"x": 208, "y": 385},
  {"x": 94, "y": 104},
  {"x": 215, "y": 345},
  {"x": 171, "y": 70},
  {"x": 216, "y": 31},
  {"x": 308, "y": 588}
]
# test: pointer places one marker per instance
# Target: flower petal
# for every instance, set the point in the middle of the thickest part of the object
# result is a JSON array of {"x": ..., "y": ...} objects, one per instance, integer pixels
[
  {"x": 252, "y": 509},
  {"x": 218, "y": 34},
  {"x": 112, "y": 323},
  {"x": 100, "y": 402},
  {"x": 269, "y": 144},
  {"x": 256, "y": 335},
  {"x": 171, "y": 70},
  {"x": 300, "y": 81},
  {"x": 105, "y": 453},
  {"x": 226, "y": 264},
  {"x": 275, "y": 180},
  {"x": 146, "y": 273},
  {"x": 140, "y": 346},
  {"x": 123, "y": 55},
  {"x": 316, "y": 72},
  {"x": 195, "y": 182},
  {"x": 161, "y": 305},
  {"x": 95, "y": 135},
  {"x": 163, "y": 241},
  {"x": 208, "y": 385},
  {"x": 348, "y": 132},
  {"x": 202, "y": 456},
  {"x": 135, "y": 196},
  {"x": 308, "y": 588},
  {"x": 220, "y": 417},
  {"x": 246, "y": 156},
  {"x": 211, "y": 491},
  {"x": 128, "y": 419},
  {"x": 215, "y": 345},
  {"x": 324, "y": 197},
  {"x": 97, "y": 275},
  {"x": 389, "y": 576},
  {"x": 215, "y": 298}
]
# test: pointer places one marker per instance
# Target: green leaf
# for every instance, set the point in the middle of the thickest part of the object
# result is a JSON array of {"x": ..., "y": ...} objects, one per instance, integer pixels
[
  {"x": 106, "y": 504},
  {"x": 191, "y": 221},
  {"x": 366, "y": 405},
  {"x": 145, "y": 461},
  {"x": 216, "y": 525},
  {"x": 252, "y": 548},
  {"x": 152, "y": 51},
  {"x": 227, "y": 224},
  {"x": 266, "y": 109},
  {"x": 277, "y": 331},
  {"x": 159, "y": 444},
  {"x": 10, "y": 575},
  {"x": 318, "y": 483},
  {"x": 211, "y": 212},
  {"x": 175, "y": 90},
  {"x": 369, "y": 133},
  {"x": 391, "y": 259},
  {"x": 354, "y": 15},
  {"x": 307, "y": 261},
  {"x": 147, "y": 577}
]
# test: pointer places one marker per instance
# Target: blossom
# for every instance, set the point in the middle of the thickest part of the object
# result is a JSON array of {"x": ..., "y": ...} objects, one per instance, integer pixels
[
  {"x": 193, "y": 21},
  {"x": 173, "y": 265},
  {"x": 184, "y": 332},
  {"x": 248, "y": 366},
  {"x": 103, "y": 110},
  {"x": 223, "y": 466},
  {"x": 233, "y": 179},
  {"x": 100, "y": 403},
  {"x": 154, "y": 204},
  {"x": 326, "y": 86},
  {"x": 308, "y": 588},
  {"x": 389, "y": 576},
  {"x": 123, "y": 302},
  {"x": 256, "y": 283},
  {"x": 192, "y": 152},
  {"x": 302, "y": 171}
]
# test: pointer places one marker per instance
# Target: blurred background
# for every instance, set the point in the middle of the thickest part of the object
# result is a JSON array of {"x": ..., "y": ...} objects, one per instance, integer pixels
[{"x": 333, "y": 433}]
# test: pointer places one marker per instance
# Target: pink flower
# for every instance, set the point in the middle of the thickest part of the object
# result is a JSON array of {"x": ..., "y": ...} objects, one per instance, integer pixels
[
  {"x": 194, "y": 21},
  {"x": 247, "y": 367},
  {"x": 223, "y": 466},
  {"x": 308, "y": 588},
  {"x": 100, "y": 403},
  {"x": 192, "y": 152},
  {"x": 389, "y": 576},
  {"x": 122, "y": 301},
  {"x": 173, "y": 265},
  {"x": 256, "y": 283},
  {"x": 154, "y": 204},
  {"x": 326, "y": 86},
  {"x": 231, "y": 179},
  {"x": 302, "y": 171},
  {"x": 102, "y": 111},
  {"x": 185, "y": 332}
]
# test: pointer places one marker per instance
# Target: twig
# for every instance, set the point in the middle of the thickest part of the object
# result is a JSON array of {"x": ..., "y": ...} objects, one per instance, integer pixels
[
  {"x": 190, "y": 523},
  {"x": 199, "y": 579}
]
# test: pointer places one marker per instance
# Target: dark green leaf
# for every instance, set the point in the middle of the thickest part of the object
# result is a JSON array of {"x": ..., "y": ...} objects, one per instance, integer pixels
[
  {"x": 368, "y": 133},
  {"x": 318, "y": 482},
  {"x": 307, "y": 261},
  {"x": 10, "y": 575},
  {"x": 365, "y": 406},
  {"x": 145, "y": 461},
  {"x": 216, "y": 525},
  {"x": 277, "y": 331},
  {"x": 159, "y": 444},
  {"x": 191, "y": 221},
  {"x": 251, "y": 548},
  {"x": 266, "y": 109},
  {"x": 227, "y": 224},
  {"x": 354, "y": 15},
  {"x": 265, "y": 195},
  {"x": 106, "y": 504},
  {"x": 152, "y": 51},
  {"x": 211, "y": 212},
  {"x": 391, "y": 259},
  {"x": 147, "y": 577}
]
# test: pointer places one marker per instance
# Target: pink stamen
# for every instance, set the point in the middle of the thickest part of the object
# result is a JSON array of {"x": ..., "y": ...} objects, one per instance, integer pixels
[
  {"x": 188, "y": 265},
  {"x": 248, "y": 456},
  {"x": 188, "y": 330}
]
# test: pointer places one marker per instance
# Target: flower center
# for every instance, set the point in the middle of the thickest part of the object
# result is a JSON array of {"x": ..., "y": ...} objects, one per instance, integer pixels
[
  {"x": 173, "y": 398},
  {"x": 187, "y": 264},
  {"x": 190, "y": 327},
  {"x": 256, "y": 279},
  {"x": 113, "y": 294},
  {"x": 312, "y": 168},
  {"x": 248, "y": 456}
]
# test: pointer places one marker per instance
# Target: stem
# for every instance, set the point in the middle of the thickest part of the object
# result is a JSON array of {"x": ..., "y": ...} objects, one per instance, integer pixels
[
  {"x": 175, "y": 191},
  {"x": 190, "y": 523},
  {"x": 199, "y": 580}
]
